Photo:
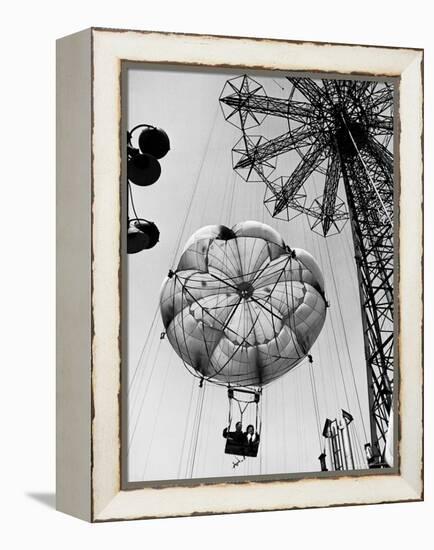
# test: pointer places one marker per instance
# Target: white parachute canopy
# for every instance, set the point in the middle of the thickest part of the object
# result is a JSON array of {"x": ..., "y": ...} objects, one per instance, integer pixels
[{"x": 242, "y": 308}]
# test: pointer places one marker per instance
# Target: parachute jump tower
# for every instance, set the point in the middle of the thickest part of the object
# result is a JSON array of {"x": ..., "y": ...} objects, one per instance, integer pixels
[{"x": 342, "y": 131}]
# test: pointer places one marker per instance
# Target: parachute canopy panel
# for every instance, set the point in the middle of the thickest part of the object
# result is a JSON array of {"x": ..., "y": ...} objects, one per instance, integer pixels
[{"x": 242, "y": 308}]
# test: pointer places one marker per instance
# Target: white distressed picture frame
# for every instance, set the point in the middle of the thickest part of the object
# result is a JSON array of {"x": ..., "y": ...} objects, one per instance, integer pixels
[{"x": 89, "y": 261}]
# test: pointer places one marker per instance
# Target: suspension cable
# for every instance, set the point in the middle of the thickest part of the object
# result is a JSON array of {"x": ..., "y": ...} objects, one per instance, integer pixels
[
  {"x": 346, "y": 343},
  {"x": 186, "y": 427},
  {"x": 131, "y": 382},
  {"x": 332, "y": 322},
  {"x": 198, "y": 425},
  {"x": 195, "y": 188},
  {"x": 160, "y": 401},
  {"x": 145, "y": 393},
  {"x": 130, "y": 193},
  {"x": 368, "y": 175},
  {"x": 315, "y": 401}
]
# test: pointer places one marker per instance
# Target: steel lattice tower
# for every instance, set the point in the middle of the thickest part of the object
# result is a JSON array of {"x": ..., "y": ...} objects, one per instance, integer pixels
[{"x": 341, "y": 129}]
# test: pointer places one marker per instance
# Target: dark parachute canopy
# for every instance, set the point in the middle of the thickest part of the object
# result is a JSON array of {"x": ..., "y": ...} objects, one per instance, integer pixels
[{"x": 242, "y": 308}]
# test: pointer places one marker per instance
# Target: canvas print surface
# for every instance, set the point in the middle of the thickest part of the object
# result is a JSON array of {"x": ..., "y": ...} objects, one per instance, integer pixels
[{"x": 259, "y": 290}]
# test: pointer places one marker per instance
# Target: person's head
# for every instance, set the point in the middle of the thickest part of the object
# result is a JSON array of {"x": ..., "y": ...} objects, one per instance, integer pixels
[
  {"x": 250, "y": 429},
  {"x": 238, "y": 426}
]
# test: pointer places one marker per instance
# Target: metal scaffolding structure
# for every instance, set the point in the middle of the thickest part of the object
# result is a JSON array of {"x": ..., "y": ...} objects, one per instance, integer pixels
[{"x": 342, "y": 130}]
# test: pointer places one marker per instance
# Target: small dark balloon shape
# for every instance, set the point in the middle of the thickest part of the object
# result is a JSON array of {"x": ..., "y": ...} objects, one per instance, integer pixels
[
  {"x": 136, "y": 241},
  {"x": 154, "y": 141},
  {"x": 150, "y": 230},
  {"x": 143, "y": 170},
  {"x": 142, "y": 235}
]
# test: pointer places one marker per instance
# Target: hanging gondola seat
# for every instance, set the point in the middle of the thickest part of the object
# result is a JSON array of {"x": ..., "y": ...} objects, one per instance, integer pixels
[
  {"x": 237, "y": 444},
  {"x": 242, "y": 449}
]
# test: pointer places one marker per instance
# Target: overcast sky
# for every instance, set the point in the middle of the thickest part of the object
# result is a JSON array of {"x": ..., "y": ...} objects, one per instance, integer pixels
[{"x": 172, "y": 433}]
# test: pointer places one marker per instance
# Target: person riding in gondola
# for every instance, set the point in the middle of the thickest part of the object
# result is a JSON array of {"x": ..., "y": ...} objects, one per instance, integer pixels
[
  {"x": 252, "y": 437},
  {"x": 238, "y": 436}
]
